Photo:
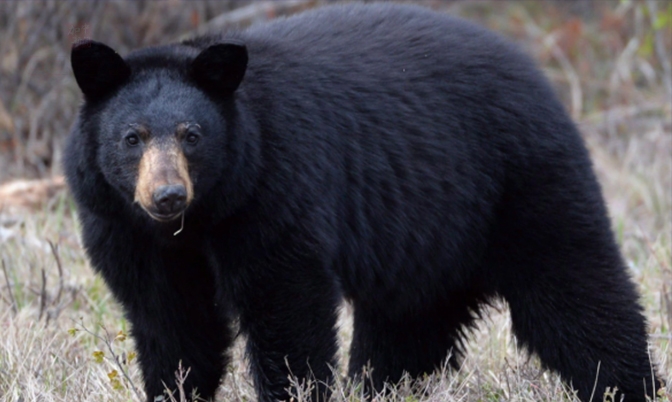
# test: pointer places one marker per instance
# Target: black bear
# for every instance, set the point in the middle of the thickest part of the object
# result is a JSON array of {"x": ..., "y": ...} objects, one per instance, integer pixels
[{"x": 409, "y": 162}]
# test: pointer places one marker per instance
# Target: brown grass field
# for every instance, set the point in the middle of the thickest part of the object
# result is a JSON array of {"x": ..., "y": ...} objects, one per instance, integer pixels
[{"x": 64, "y": 338}]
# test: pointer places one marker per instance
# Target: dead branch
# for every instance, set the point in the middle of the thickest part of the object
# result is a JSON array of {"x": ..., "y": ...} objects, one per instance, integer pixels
[
  {"x": 54, "y": 251},
  {"x": 659, "y": 45},
  {"x": 9, "y": 289},
  {"x": 43, "y": 294}
]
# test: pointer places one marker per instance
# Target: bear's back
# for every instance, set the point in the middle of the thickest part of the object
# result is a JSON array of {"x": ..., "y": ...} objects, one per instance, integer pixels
[
  {"x": 380, "y": 38},
  {"x": 391, "y": 64},
  {"x": 356, "y": 27}
]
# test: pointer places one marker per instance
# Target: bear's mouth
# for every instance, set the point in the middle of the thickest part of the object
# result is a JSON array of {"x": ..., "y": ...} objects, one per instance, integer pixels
[{"x": 164, "y": 217}]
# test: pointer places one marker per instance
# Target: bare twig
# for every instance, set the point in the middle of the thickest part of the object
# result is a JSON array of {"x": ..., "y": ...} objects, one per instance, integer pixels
[
  {"x": 621, "y": 68},
  {"x": 597, "y": 376},
  {"x": 661, "y": 336},
  {"x": 43, "y": 294},
  {"x": 570, "y": 73},
  {"x": 180, "y": 377},
  {"x": 9, "y": 289},
  {"x": 659, "y": 45},
  {"x": 54, "y": 251},
  {"x": 36, "y": 58},
  {"x": 619, "y": 113},
  {"x": 181, "y": 227},
  {"x": 550, "y": 42}
]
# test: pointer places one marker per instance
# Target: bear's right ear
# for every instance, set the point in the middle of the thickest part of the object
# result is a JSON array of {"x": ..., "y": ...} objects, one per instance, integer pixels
[
  {"x": 220, "y": 68},
  {"x": 98, "y": 69}
]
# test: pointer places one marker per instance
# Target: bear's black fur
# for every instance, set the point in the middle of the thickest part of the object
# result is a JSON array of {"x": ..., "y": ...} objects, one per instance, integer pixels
[{"x": 410, "y": 162}]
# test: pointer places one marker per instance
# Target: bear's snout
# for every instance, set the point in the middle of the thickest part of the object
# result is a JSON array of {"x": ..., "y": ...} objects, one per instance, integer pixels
[
  {"x": 170, "y": 200},
  {"x": 164, "y": 188}
]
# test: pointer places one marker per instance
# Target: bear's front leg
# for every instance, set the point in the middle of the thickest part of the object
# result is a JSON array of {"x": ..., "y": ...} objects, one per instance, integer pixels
[
  {"x": 168, "y": 295},
  {"x": 184, "y": 328},
  {"x": 288, "y": 311}
]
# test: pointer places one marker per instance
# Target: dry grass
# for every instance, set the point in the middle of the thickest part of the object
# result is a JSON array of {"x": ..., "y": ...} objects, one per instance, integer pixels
[{"x": 62, "y": 336}]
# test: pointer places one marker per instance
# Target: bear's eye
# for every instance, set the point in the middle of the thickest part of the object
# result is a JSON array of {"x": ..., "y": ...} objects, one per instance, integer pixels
[
  {"x": 192, "y": 138},
  {"x": 132, "y": 139}
]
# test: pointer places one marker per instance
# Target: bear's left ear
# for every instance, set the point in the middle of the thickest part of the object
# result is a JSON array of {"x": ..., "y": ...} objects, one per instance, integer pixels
[{"x": 220, "y": 68}]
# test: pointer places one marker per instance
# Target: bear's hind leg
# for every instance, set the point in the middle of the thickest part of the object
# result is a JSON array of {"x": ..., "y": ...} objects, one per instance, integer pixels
[
  {"x": 572, "y": 326},
  {"x": 416, "y": 343},
  {"x": 572, "y": 301}
]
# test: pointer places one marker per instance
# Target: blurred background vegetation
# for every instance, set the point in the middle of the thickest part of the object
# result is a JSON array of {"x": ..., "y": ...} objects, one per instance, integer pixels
[
  {"x": 610, "y": 62},
  {"x": 602, "y": 55}
]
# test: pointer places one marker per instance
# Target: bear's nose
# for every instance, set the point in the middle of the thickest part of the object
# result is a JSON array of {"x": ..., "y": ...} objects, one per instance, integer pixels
[{"x": 170, "y": 199}]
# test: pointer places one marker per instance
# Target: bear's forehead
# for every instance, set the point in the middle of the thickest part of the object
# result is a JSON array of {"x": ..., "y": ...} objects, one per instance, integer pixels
[
  {"x": 160, "y": 103},
  {"x": 154, "y": 85},
  {"x": 176, "y": 58}
]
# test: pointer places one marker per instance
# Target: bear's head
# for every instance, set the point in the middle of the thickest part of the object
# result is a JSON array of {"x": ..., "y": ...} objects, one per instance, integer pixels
[{"x": 158, "y": 119}]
